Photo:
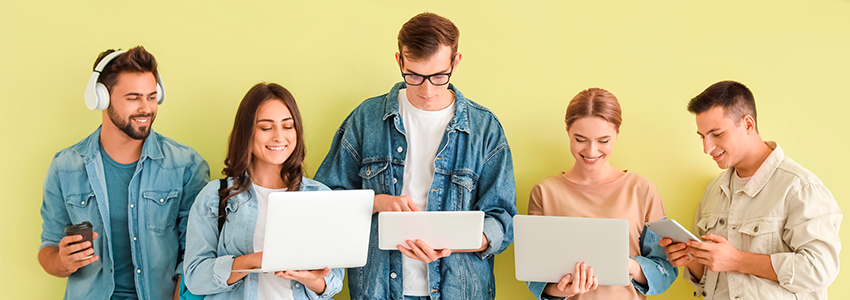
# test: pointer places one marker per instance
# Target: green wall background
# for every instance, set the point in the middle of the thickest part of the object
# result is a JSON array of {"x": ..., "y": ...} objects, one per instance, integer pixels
[{"x": 522, "y": 59}]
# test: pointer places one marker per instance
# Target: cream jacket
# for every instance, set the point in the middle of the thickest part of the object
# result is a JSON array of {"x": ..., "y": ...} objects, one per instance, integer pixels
[{"x": 784, "y": 211}]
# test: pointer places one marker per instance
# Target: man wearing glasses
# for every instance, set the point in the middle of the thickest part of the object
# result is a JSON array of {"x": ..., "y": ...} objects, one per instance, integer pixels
[{"x": 425, "y": 147}]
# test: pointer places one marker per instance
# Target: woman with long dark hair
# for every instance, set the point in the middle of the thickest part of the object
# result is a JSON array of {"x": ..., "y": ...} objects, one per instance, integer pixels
[{"x": 265, "y": 154}]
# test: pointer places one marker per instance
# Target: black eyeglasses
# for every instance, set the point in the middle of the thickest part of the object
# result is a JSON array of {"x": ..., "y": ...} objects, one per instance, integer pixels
[
  {"x": 438, "y": 79},
  {"x": 435, "y": 79}
]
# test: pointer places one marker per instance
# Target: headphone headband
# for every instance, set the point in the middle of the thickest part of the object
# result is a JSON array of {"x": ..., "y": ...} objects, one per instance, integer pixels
[
  {"x": 105, "y": 61},
  {"x": 97, "y": 95}
]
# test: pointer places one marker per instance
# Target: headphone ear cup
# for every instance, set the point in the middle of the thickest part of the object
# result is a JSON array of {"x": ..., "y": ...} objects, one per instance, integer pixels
[
  {"x": 101, "y": 94},
  {"x": 160, "y": 89},
  {"x": 160, "y": 93}
]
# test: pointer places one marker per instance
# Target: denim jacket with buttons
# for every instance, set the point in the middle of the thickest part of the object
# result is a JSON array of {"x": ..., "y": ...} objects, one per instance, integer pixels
[
  {"x": 473, "y": 171},
  {"x": 167, "y": 178},
  {"x": 210, "y": 255}
]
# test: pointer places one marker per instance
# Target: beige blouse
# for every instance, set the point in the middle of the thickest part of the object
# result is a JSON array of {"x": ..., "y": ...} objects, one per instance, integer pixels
[{"x": 631, "y": 197}]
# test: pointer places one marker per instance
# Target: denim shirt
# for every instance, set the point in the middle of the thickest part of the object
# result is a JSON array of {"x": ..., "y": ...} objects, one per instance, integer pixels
[
  {"x": 167, "y": 178},
  {"x": 659, "y": 273},
  {"x": 472, "y": 171},
  {"x": 209, "y": 256}
]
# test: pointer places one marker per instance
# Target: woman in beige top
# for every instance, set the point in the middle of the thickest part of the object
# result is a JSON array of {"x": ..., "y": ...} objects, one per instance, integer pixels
[{"x": 593, "y": 188}]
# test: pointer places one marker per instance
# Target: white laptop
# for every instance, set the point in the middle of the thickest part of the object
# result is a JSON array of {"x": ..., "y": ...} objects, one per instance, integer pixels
[
  {"x": 439, "y": 229},
  {"x": 317, "y": 229},
  {"x": 547, "y": 248}
]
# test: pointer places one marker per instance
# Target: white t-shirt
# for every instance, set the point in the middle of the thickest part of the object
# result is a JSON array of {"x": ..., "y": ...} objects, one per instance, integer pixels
[
  {"x": 269, "y": 286},
  {"x": 424, "y": 131},
  {"x": 721, "y": 290}
]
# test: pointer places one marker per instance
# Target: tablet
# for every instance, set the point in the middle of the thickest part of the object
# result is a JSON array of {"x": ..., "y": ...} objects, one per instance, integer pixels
[
  {"x": 673, "y": 230},
  {"x": 547, "y": 247},
  {"x": 439, "y": 229}
]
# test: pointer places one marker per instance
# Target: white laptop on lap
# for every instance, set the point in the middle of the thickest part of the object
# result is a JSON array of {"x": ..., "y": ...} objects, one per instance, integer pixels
[
  {"x": 317, "y": 229},
  {"x": 439, "y": 229},
  {"x": 546, "y": 248}
]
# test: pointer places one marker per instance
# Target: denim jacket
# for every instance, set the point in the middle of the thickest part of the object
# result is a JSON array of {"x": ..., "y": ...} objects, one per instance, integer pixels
[
  {"x": 167, "y": 178},
  {"x": 473, "y": 171},
  {"x": 209, "y": 256}
]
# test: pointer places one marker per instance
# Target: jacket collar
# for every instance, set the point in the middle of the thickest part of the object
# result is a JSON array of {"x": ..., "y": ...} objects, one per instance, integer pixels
[
  {"x": 90, "y": 146},
  {"x": 761, "y": 176},
  {"x": 460, "y": 120}
]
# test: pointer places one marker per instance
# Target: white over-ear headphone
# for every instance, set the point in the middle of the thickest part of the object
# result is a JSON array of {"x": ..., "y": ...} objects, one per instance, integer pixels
[{"x": 97, "y": 95}]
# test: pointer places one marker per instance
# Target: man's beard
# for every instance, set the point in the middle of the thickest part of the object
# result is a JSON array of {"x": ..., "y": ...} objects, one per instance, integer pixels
[{"x": 127, "y": 127}]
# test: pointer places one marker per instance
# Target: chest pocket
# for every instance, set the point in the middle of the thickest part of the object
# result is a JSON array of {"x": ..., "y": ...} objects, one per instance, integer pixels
[
  {"x": 464, "y": 183},
  {"x": 82, "y": 207},
  {"x": 230, "y": 236},
  {"x": 707, "y": 225},
  {"x": 375, "y": 176},
  {"x": 760, "y": 236},
  {"x": 161, "y": 209}
]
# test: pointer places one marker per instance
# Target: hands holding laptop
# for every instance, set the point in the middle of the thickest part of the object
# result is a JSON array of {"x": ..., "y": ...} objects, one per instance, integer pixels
[
  {"x": 421, "y": 251},
  {"x": 579, "y": 282},
  {"x": 418, "y": 249},
  {"x": 312, "y": 279}
]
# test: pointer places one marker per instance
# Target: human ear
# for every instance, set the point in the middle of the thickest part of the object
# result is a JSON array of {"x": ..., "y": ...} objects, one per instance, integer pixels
[
  {"x": 398, "y": 60},
  {"x": 457, "y": 58},
  {"x": 749, "y": 123}
]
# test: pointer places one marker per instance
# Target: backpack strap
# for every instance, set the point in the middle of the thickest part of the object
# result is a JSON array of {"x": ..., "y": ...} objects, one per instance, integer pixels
[{"x": 221, "y": 208}]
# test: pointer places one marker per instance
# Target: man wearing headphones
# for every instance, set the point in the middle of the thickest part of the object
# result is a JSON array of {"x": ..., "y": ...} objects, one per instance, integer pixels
[{"x": 134, "y": 186}]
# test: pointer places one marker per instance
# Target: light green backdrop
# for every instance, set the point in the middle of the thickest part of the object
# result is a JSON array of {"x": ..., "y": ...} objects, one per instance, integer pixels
[{"x": 522, "y": 59}]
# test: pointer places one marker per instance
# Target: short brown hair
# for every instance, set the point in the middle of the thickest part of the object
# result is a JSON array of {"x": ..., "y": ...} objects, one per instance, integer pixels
[
  {"x": 135, "y": 60},
  {"x": 424, "y": 33},
  {"x": 595, "y": 102},
  {"x": 736, "y": 99}
]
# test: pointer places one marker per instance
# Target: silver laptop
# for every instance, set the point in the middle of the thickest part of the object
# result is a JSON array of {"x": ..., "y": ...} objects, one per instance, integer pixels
[
  {"x": 547, "y": 248},
  {"x": 439, "y": 229},
  {"x": 314, "y": 230}
]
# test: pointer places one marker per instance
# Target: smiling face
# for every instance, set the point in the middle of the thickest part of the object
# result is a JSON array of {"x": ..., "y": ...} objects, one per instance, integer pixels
[
  {"x": 275, "y": 136},
  {"x": 723, "y": 139},
  {"x": 592, "y": 142},
  {"x": 428, "y": 96},
  {"x": 133, "y": 104}
]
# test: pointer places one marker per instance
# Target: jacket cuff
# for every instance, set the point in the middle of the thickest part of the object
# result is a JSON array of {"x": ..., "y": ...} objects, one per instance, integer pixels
[
  {"x": 536, "y": 288},
  {"x": 655, "y": 274},
  {"x": 327, "y": 294},
  {"x": 179, "y": 270},
  {"x": 783, "y": 265},
  {"x": 312, "y": 295},
  {"x": 47, "y": 244},
  {"x": 494, "y": 234},
  {"x": 221, "y": 270},
  {"x": 699, "y": 286}
]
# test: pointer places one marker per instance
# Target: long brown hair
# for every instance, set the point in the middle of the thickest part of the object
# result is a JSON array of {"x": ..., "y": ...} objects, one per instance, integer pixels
[{"x": 239, "y": 148}]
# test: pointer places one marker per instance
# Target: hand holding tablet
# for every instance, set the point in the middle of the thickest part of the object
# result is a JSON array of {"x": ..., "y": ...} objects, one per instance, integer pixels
[{"x": 672, "y": 230}]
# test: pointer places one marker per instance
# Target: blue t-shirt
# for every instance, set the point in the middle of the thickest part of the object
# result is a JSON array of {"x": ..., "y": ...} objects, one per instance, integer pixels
[{"x": 118, "y": 178}]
